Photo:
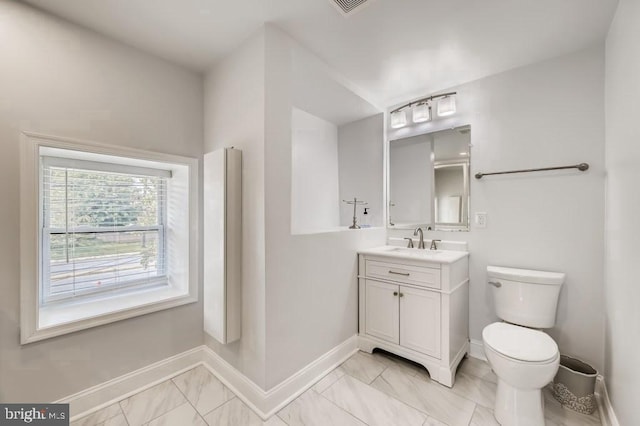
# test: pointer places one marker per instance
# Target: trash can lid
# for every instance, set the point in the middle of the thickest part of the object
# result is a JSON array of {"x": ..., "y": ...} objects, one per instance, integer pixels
[{"x": 521, "y": 343}]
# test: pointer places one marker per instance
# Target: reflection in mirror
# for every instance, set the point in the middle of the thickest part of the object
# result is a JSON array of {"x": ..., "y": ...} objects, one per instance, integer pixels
[
  {"x": 410, "y": 165},
  {"x": 448, "y": 199},
  {"x": 429, "y": 180}
]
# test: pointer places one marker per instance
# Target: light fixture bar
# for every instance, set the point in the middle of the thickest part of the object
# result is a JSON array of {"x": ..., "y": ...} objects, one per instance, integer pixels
[{"x": 423, "y": 100}]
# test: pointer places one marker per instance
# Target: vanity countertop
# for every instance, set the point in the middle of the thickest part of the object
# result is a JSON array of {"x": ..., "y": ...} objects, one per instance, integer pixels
[{"x": 438, "y": 256}]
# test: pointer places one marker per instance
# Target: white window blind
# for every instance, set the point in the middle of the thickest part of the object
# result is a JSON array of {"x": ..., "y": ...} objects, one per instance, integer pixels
[{"x": 103, "y": 227}]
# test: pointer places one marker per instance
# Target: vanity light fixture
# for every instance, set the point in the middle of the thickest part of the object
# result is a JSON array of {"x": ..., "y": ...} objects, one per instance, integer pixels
[
  {"x": 446, "y": 106},
  {"x": 421, "y": 109},
  {"x": 421, "y": 112},
  {"x": 398, "y": 119}
]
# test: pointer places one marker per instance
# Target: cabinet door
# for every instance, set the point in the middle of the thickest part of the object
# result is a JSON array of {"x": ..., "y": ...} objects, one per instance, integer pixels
[
  {"x": 420, "y": 320},
  {"x": 382, "y": 310}
]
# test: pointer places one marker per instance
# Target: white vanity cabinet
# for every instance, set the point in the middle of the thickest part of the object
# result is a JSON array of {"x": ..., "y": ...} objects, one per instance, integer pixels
[{"x": 416, "y": 307}]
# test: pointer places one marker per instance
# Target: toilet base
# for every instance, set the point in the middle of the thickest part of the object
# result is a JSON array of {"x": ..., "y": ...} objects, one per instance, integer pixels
[{"x": 519, "y": 407}]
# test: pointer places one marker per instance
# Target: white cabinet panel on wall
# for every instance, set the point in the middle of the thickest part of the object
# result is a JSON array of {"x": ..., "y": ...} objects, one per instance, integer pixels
[{"x": 223, "y": 244}]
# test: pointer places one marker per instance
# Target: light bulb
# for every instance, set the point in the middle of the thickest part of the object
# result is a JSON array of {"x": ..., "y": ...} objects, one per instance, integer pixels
[
  {"x": 446, "y": 106},
  {"x": 398, "y": 119},
  {"x": 421, "y": 113}
]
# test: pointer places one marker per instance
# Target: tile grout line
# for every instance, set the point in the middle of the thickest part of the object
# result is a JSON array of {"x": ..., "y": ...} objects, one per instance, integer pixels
[
  {"x": 123, "y": 415},
  {"x": 379, "y": 374},
  {"x": 119, "y": 402},
  {"x": 467, "y": 398},
  {"x": 475, "y": 409},
  {"x": 187, "y": 399},
  {"x": 432, "y": 382},
  {"x": 281, "y": 419},
  {"x": 337, "y": 406},
  {"x": 105, "y": 420},
  {"x": 157, "y": 417},
  {"x": 399, "y": 400},
  {"x": 228, "y": 401},
  {"x": 126, "y": 419},
  {"x": 378, "y": 390}
]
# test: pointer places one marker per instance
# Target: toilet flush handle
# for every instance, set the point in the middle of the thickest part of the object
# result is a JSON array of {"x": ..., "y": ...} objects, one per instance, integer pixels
[{"x": 496, "y": 283}]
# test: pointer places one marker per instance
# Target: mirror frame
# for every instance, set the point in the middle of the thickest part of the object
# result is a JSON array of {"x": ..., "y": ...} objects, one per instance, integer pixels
[{"x": 433, "y": 226}]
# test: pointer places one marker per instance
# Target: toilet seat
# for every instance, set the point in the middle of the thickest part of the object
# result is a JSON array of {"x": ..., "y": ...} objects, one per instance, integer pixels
[{"x": 520, "y": 343}]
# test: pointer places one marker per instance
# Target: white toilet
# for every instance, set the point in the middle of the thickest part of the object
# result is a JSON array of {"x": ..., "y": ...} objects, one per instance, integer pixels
[{"x": 524, "y": 358}]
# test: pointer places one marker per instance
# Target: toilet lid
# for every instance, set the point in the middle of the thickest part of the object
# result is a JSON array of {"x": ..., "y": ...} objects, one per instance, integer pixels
[{"x": 520, "y": 343}]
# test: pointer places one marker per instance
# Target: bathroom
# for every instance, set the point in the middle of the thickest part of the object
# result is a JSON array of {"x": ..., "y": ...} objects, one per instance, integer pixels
[{"x": 158, "y": 80}]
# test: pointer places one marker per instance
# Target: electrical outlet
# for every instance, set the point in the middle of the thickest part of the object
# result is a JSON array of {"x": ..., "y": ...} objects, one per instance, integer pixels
[{"x": 481, "y": 219}]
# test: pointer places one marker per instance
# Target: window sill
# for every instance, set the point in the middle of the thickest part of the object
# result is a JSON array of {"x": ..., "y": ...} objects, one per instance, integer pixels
[{"x": 63, "y": 318}]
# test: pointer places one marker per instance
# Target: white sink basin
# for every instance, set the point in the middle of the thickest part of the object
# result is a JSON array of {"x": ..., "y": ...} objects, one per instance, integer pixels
[{"x": 426, "y": 255}]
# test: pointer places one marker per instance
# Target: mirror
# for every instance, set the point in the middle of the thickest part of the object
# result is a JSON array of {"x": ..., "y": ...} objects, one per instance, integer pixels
[{"x": 429, "y": 180}]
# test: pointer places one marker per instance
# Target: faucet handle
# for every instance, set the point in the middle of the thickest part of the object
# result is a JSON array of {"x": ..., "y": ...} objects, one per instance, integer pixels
[
  {"x": 410, "y": 243},
  {"x": 434, "y": 245}
]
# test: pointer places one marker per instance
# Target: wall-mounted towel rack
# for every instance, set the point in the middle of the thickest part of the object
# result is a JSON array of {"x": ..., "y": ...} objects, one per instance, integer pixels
[{"x": 582, "y": 167}]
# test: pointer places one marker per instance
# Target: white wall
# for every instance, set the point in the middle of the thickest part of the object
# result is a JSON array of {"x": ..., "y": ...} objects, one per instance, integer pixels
[
  {"x": 311, "y": 292},
  {"x": 315, "y": 194},
  {"x": 622, "y": 292},
  {"x": 59, "y": 79},
  {"x": 299, "y": 291},
  {"x": 361, "y": 165},
  {"x": 234, "y": 116},
  {"x": 545, "y": 114}
]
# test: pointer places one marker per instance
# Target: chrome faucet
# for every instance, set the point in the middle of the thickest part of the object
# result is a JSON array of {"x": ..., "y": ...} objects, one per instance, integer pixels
[
  {"x": 434, "y": 246},
  {"x": 421, "y": 241},
  {"x": 410, "y": 242}
]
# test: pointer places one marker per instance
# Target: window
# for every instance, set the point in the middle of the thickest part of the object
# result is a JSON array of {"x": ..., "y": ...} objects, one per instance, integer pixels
[
  {"x": 103, "y": 227},
  {"x": 108, "y": 234}
]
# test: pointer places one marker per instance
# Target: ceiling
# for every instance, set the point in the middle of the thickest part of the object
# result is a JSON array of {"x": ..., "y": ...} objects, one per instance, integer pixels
[{"x": 391, "y": 49}]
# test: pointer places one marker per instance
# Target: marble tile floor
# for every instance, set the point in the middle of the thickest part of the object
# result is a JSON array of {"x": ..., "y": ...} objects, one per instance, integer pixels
[{"x": 367, "y": 389}]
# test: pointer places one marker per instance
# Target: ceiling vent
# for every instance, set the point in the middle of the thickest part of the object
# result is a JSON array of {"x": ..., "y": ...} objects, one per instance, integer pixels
[{"x": 349, "y": 7}]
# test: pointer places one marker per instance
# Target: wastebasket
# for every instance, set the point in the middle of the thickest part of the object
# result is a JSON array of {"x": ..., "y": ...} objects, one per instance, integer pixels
[{"x": 574, "y": 385}]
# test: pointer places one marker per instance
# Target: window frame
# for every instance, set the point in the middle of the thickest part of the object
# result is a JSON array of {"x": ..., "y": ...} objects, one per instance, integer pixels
[{"x": 41, "y": 321}]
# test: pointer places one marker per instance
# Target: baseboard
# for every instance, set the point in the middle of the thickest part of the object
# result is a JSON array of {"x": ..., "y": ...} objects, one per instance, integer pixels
[
  {"x": 100, "y": 396},
  {"x": 267, "y": 403},
  {"x": 476, "y": 349},
  {"x": 607, "y": 415},
  {"x": 264, "y": 403}
]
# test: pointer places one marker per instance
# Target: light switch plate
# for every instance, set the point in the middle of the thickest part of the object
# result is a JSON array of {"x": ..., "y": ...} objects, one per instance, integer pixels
[{"x": 481, "y": 219}]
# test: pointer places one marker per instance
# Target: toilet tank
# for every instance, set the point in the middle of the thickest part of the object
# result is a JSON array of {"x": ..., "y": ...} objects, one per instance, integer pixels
[{"x": 525, "y": 297}]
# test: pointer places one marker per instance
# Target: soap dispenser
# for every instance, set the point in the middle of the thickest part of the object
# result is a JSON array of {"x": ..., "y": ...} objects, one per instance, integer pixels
[{"x": 366, "y": 221}]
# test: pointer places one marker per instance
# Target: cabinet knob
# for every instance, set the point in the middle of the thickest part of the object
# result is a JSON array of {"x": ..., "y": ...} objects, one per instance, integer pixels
[
  {"x": 395, "y": 293},
  {"x": 401, "y": 294}
]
